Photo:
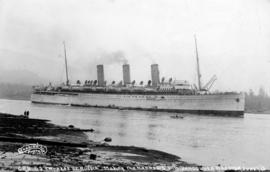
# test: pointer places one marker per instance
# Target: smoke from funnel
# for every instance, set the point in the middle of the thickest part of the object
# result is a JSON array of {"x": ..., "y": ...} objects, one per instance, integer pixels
[{"x": 113, "y": 57}]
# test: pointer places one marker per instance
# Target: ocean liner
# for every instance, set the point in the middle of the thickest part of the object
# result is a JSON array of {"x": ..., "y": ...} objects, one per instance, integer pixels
[{"x": 155, "y": 95}]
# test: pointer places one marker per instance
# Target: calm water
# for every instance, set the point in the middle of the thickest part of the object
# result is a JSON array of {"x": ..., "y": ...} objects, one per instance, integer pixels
[{"x": 200, "y": 139}]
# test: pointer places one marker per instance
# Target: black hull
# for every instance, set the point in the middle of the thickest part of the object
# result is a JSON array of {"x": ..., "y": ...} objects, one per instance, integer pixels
[{"x": 196, "y": 112}]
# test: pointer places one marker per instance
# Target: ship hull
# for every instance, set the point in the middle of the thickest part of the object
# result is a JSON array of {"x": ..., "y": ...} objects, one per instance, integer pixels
[{"x": 212, "y": 104}]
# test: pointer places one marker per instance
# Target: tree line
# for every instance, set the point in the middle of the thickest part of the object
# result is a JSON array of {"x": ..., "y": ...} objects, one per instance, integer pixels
[{"x": 257, "y": 103}]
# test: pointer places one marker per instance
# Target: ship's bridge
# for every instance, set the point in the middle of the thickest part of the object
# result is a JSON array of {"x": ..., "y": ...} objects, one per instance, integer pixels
[
  {"x": 175, "y": 85},
  {"x": 181, "y": 84}
]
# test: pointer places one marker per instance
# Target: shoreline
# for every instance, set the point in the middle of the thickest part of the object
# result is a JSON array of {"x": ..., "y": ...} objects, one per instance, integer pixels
[{"x": 68, "y": 146}]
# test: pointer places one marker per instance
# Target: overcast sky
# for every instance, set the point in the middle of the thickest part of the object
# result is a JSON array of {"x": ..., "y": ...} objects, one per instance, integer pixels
[{"x": 233, "y": 39}]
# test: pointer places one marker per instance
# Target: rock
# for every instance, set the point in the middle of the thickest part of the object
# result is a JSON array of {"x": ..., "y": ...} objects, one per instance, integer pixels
[
  {"x": 79, "y": 152},
  {"x": 71, "y": 126},
  {"x": 93, "y": 156}
]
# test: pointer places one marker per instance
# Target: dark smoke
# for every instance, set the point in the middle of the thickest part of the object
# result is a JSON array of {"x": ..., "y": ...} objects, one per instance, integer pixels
[{"x": 104, "y": 57}]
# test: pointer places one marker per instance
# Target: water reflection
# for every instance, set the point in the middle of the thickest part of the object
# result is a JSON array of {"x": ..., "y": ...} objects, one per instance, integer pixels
[
  {"x": 152, "y": 131},
  {"x": 122, "y": 125},
  {"x": 122, "y": 129},
  {"x": 96, "y": 123}
]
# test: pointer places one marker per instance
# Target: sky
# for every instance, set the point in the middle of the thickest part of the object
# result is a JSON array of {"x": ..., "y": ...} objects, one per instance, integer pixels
[{"x": 233, "y": 40}]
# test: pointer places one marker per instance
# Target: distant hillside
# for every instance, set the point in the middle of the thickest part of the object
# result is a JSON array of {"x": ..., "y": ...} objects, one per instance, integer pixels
[
  {"x": 17, "y": 84},
  {"x": 23, "y": 77},
  {"x": 15, "y": 91}
]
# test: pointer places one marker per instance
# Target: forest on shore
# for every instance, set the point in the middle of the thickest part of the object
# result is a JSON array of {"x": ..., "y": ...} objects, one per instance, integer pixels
[{"x": 255, "y": 102}]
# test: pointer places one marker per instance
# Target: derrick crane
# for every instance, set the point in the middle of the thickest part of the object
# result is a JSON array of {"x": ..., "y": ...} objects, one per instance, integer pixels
[
  {"x": 195, "y": 87},
  {"x": 210, "y": 83}
]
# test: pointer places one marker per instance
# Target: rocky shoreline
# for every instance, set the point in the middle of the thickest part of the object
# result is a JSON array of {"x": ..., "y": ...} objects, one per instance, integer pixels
[{"x": 69, "y": 148}]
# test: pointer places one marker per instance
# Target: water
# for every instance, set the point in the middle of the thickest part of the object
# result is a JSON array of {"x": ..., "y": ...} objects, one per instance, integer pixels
[{"x": 203, "y": 140}]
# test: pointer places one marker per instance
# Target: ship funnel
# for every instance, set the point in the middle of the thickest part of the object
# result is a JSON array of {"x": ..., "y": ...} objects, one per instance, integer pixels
[
  {"x": 100, "y": 76},
  {"x": 126, "y": 74},
  {"x": 155, "y": 75}
]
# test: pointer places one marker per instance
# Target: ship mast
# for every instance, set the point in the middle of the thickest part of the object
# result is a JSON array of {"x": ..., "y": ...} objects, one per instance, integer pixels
[
  {"x": 67, "y": 81},
  {"x": 198, "y": 65}
]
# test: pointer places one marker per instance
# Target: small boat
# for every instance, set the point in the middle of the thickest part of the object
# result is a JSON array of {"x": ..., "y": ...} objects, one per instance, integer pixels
[{"x": 177, "y": 117}]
